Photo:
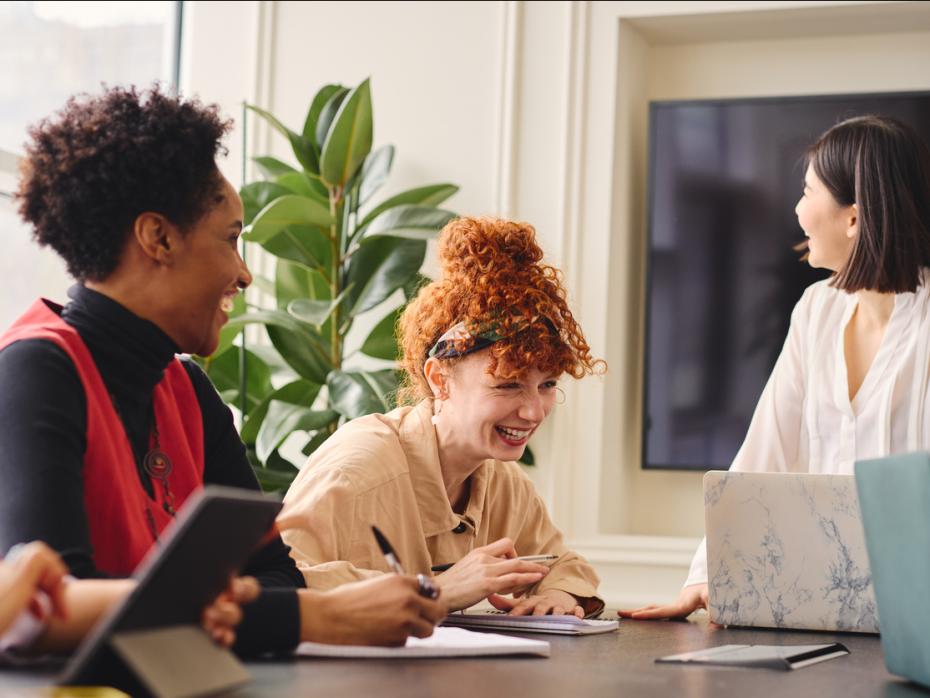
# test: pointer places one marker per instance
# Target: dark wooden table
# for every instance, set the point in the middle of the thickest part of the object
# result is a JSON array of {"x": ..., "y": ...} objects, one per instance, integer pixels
[{"x": 615, "y": 664}]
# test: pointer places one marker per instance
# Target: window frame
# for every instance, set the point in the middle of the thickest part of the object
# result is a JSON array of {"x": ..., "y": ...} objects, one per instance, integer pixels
[{"x": 9, "y": 160}]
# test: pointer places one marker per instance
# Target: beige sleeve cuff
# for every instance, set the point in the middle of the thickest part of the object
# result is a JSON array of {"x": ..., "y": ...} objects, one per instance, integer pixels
[
  {"x": 585, "y": 593},
  {"x": 572, "y": 574},
  {"x": 329, "y": 575}
]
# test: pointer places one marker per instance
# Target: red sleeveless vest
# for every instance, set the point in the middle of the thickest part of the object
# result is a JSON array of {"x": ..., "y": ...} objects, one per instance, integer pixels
[{"x": 115, "y": 501}]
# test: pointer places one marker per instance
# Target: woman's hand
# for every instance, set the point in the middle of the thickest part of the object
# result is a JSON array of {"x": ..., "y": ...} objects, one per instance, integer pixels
[
  {"x": 221, "y": 617},
  {"x": 488, "y": 570},
  {"x": 384, "y": 610},
  {"x": 689, "y": 600},
  {"x": 551, "y": 602},
  {"x": 27, "y": 570}
]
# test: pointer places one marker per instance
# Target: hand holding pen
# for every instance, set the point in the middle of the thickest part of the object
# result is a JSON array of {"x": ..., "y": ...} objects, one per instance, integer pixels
[
  {"x": 427, "y": 587},
  {"x": 490, "y": 569}
]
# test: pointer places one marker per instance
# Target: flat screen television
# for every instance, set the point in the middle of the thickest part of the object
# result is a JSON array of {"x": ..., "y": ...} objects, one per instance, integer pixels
[{"x": 722, "y": 274}]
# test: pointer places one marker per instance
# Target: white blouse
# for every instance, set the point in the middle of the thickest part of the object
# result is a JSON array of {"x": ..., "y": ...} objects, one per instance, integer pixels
[{"x": 805, "y": 422}]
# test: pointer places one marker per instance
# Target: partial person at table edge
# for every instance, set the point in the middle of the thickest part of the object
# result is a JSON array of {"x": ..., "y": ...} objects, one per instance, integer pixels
[{"x": 852, "y": 379}]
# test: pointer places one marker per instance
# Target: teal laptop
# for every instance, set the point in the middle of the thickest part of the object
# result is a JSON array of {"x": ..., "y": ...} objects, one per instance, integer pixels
[{"x": 894, "y": 496}]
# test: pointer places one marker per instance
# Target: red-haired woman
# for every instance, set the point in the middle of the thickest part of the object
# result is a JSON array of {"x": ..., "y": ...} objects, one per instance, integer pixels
[{"x": 484, "y": 347}]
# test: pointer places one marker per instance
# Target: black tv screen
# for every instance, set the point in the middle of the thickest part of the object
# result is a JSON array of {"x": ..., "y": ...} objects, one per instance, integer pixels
[{"x": 722, "y": 274}]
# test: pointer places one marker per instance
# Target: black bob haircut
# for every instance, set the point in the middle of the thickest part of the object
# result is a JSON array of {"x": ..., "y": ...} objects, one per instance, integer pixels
[
  {"x": 882, "y": 166},
  {"x": 92, "y": 168}
]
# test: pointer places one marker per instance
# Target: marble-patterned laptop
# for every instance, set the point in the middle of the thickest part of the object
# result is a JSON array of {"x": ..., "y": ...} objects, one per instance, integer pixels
[{"x": 786, "y": 550}]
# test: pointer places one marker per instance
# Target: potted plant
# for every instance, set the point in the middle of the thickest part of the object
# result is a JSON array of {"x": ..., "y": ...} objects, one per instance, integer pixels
[{"x": 338, "y": 255}]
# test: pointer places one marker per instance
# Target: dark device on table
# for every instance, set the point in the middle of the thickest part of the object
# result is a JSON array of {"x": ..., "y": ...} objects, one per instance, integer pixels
[{"x": 152, "y": 643}]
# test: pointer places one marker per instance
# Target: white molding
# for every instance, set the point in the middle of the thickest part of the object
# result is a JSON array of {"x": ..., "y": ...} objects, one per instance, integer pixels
[
  {"x": 262, "y": 88},
  {"x": 511, "y": 33},
  {"x": 662, "y": 551},
  {"x": 637, "y": 570},
  {"x": 260, "y": 135},
  {"x": 562, "y": 478}
]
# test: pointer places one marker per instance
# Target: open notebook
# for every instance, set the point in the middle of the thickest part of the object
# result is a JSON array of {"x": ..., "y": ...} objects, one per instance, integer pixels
[
  {"x": 557, "y": 625},
  {"x": 444, "y": 642}
]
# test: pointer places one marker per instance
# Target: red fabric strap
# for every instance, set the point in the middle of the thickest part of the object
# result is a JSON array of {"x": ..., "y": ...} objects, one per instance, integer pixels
[{"x": 115, "y": 501}]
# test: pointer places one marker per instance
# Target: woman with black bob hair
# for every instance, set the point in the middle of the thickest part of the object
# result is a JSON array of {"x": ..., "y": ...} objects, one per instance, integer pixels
[
  {"x": 851, "y": 381},
  {"x": 105, "y": 431}
]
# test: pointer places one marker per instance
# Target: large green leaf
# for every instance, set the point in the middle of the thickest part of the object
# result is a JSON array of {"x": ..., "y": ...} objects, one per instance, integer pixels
[
  {"x": 272, "y": 167},
  {"x": 297, "y": 342},
  {"x": 263, "y": 284},
  {"x": 284, "y": 211},
  {"x": 275, "y": 474},
  {"x": 375, "y": 171},
  {"x": 304, "y": 244},
  {"x": 349, "y": 139},
  {"x": 328, "y": 113},
  {"x": 293, "y": 281},
  {"x": 357, "y": 393},
  {"x": 380, "y": 266},
  {"x": 413, "y": 286},
  {"x": 304, "y": 185},
  {"x": 315, "y": 442},
  {"x": 257, "y": 195},
  {"x": 315, "y": 312},
  {"x": 282, "y": 419},
  {"x": 382, "y": 341},
  {"x": 316, "y": 108},
  {"x": 409, "y": 221},
  {"x": 281, "y": 373},
  {"x": 274, "y": 318},
  {"x": 302, "y": 350},
  {"x": 432, "y": 195},
  {"x": 527, "y": 458},
  {"x": 224, "y": 373},
  {"x": 300, "y": 392},
  {"x": 275, "y": 481},
  {"x": 303, "y": 149}
]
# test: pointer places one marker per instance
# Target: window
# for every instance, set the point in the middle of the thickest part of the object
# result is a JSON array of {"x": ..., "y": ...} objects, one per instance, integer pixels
[{"x": 50, "y": 51}]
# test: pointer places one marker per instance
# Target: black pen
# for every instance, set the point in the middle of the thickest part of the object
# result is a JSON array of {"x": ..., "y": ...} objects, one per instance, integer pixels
[
  {"x": 525, "y": 558},
  {"x": 427, "y": 587}
]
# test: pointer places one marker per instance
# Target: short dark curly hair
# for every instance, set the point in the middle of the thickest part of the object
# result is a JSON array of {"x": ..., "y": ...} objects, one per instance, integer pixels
[{"x": 92, "y": 168}]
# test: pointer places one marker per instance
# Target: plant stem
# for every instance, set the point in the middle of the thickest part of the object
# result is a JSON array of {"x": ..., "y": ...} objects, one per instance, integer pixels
[{"x": 335, "y": 241}]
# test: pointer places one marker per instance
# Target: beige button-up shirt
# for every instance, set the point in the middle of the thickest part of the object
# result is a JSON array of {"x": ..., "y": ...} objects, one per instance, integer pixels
[{"x": 383, "y": 469}]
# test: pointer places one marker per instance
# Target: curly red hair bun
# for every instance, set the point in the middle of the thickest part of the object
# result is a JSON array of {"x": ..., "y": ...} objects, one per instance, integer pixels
[{"x": 492, "y": 270}]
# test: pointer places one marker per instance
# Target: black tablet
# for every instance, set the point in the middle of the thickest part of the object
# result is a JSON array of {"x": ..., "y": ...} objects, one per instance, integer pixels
[{"x": 215, "y": 533}]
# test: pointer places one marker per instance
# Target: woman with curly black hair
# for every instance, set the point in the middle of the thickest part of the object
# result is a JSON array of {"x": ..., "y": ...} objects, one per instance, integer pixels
[{"x": 105, "y": 431}]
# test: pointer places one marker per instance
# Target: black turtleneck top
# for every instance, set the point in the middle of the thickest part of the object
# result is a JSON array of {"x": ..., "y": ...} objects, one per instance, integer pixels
[{"x": 43, "y": 428}]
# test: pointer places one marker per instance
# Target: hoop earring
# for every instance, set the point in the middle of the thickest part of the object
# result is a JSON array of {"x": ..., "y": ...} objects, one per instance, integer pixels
[{"x": 561, "y": 393}]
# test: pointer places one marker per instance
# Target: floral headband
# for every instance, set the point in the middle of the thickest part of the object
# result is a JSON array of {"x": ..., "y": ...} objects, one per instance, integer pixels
[{"x": 468, "y": 336}]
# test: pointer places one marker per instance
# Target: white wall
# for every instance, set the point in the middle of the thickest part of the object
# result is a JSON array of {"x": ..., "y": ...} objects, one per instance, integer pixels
[{"x": 538, "y": 110}]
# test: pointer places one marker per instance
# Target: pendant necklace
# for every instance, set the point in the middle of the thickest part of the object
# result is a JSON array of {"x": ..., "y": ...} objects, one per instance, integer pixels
[{"x": 156, "y": 465}]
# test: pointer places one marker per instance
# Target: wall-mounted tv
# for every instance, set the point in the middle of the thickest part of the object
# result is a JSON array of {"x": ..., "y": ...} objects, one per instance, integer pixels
[{"x": 722, "y": 277}]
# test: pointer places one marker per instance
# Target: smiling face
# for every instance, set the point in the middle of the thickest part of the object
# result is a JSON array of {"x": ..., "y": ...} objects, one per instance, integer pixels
[
  {"x": 829, "y": 226},
  {"x": 493, "y": 417},
  {"x": 207, "y": 273}
]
